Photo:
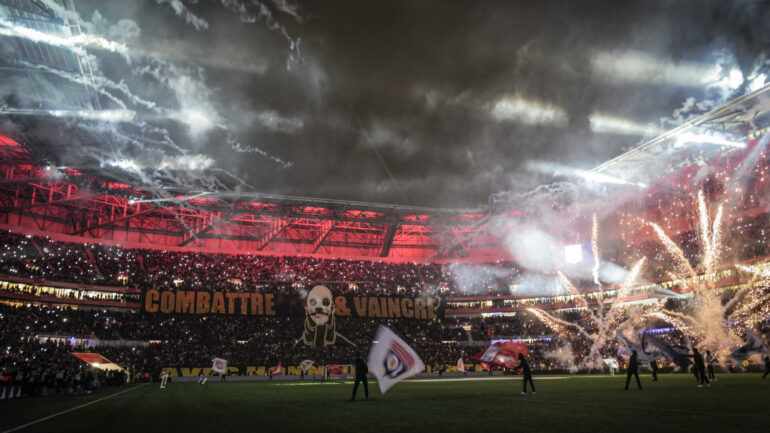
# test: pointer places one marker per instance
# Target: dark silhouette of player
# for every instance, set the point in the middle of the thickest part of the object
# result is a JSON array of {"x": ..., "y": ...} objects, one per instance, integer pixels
[
  {"x": 633, "y": 369},
  {"x": 654, "y": 367},
  {"x": 767, "y": 366},
  {"x": 699, "y": 367},
  {"x": 527, "y": 372},
  {"x": 710, "y": 364},
  {"x": 361, "y": 370}
]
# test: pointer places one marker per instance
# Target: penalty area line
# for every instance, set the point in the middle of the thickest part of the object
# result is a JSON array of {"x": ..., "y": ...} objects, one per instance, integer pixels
[{"x": 72, "y": 409}]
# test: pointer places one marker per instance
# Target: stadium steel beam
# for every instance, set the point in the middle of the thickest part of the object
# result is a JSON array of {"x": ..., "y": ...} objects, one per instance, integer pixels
[
  {"x": 214, "y": 223},
  {"x": 114, "y": 221},
  {"x": 328, "y": 226},
  {"x": 712, "y": 115},
  {"x": 276, "y": 230},
  {"x": 388, "y": 241},
  {"x": 26, "y": 180},
  {"x": 460, "y": 244},
  {"x": 76, "y": 197}
]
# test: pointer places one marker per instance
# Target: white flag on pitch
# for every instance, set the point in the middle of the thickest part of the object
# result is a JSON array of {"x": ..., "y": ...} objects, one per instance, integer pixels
[
  {"x": 304, "y": 365},
  {"x": 219, "y": 366},
  {"x": 391, "y": 359}
]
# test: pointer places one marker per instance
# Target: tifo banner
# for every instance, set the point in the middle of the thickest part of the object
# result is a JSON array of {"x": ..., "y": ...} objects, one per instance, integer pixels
[
  {"x": 320, "y": 308},
  {"x": 319, "y": 305}
]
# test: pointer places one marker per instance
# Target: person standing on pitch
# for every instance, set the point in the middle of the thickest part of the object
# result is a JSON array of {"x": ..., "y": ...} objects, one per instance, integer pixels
[
  {"x": 767, "y": 366},
  {"x": 710, "y": 363},
  {"x": 527, "y": 372},
  {"x": 361, "y": 371},
  {"x": 633, "y": 369},
  {"x": 700, "y": 367},
  {"x": 654, "y": 367}
]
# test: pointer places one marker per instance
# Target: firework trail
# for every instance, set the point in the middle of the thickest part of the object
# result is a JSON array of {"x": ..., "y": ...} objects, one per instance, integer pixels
[
  {"x": 572, "y": 290},
  {"x": 595, "y": 247},
  {"x": 674, "y": 250},
  {"x": 558, "y": 325},
  {"x": 705, "y": 226},
  {"x": 630, "y": 280}
]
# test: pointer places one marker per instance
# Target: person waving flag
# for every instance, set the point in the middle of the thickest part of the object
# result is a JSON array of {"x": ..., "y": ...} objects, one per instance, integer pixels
[{"x": 391, "y": 359}]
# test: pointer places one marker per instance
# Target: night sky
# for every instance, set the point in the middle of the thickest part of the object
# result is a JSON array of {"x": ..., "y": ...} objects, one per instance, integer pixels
[{"x": 429, "y": 103}]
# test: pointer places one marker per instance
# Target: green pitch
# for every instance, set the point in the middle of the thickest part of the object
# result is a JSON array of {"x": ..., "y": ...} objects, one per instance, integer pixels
[{"x": 737, "y": 402}]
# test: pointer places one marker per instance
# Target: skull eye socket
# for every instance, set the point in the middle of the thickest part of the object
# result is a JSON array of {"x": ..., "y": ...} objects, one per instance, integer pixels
[
  {"x": 313, "y": 302},
  {"x": 326, "y": 302}
]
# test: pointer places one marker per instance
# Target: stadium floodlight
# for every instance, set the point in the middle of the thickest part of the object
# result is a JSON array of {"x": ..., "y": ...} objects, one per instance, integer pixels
[
  {"x": 573, "y": 253},
  {"x": 615, "y": 125}
]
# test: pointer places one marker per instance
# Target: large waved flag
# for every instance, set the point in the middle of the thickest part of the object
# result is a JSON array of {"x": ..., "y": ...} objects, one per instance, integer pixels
[
  {"x": 753, "y": 345},
  {"x": 219, "y": 366},
  {"x": 304, "y": 365},
  {"x": 391, "y": 359},
  {"x": 503, "y": 354},
  {"x": 670, "y": 353},
  {"x": 277, "y": 370},
  {"x": 460, "y": 365},
  {"x": 641, "y": 356}
]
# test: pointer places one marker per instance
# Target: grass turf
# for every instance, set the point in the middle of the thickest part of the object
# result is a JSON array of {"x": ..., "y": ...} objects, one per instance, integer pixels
[{"x": 737, "y": 402}]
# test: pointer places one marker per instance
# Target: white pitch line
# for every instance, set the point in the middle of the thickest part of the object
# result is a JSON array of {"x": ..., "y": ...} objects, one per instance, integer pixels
[
  {"x": 71, "y": 409},
  {"x": 471, "y": 379}
]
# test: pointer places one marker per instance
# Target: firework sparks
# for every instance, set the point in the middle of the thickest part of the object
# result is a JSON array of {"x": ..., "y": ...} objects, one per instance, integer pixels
[
  {"x": 674, "y": 250},
  {"x": 558, "y": 325},
  {"x": 595, "y": 247}
]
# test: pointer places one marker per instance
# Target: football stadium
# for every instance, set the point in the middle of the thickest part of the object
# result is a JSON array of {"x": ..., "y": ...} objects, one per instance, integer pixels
[{"x": 347, "y": 216}]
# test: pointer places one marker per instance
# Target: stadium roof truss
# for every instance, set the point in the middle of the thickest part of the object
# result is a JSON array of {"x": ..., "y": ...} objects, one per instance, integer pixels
[
  {"x": 70, "y": 202},
  {"x": 721, "y": 131}
]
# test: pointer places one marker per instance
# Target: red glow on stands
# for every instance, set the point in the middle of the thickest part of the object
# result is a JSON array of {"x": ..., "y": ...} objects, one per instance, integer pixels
[
  {"x": 202, "y": 201},
  {"x": 72, "y": 172},
  {"x": 362, "y": 214},
  {"x": 118, "y": 185},
  {"x": 8, "y": 141}
]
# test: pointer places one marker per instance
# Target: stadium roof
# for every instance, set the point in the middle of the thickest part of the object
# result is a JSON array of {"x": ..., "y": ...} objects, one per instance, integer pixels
[{"x": 697, "y": 141}]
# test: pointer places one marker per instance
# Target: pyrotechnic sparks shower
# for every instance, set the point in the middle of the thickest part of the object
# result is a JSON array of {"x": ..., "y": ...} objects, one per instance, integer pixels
[
  {"x": 673, "y": 249},
  {"x": 595, "y": 248},
  {"x": 558, "y": 325}
]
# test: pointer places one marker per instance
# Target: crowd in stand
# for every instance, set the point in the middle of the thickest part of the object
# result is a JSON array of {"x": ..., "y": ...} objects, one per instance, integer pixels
[
  {"x": 45, "y": 367},
  {"x": 45, "y": 259}
]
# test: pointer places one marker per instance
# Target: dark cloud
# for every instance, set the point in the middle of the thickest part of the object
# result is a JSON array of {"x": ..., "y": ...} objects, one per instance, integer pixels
[{"x": 411, "y": 87}]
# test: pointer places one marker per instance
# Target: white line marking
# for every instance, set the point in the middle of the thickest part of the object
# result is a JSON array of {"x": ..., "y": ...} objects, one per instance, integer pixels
[
  {"x": 470, "y": 379},
  {"x": 71, "y": 409}
]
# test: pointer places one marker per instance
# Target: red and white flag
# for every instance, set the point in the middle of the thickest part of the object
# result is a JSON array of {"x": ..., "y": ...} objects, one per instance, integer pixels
[
  {"x": 503, "y": 354},
  {"x": 277, "y": 370},
  {"x": 460, "y": 365},
  {"x": 485, "y": 366},
  {"x": 219, "y": 366},
  {"x": 391, "y": 359},
  {"x": 334, "y": 369}
]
